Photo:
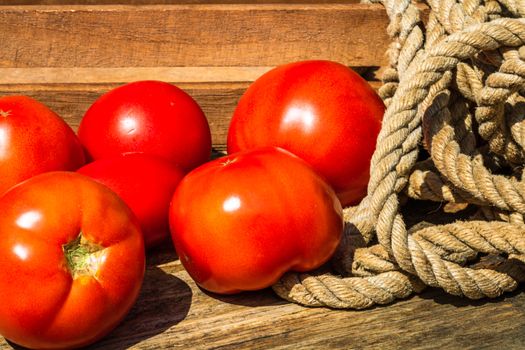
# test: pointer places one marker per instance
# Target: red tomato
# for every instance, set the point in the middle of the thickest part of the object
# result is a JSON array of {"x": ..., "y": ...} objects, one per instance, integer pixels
[
  {"x": 33, "y": 140},
  {"x": 240, "y": 222},
  {"x": 146, "y": 183},
  {"x": 321, "y": 111},
  {"x": 151, "y": 117},
  {"x": 72, "y": 259}
]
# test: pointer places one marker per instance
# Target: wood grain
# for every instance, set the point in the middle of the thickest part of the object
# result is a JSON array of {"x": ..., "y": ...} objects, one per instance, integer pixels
[
  {"x": 172, "y": 312},
  {"x": 217, "y": 99},
  {"x": 157, "y": 2},
  {"x": 218, "y": 102},
  {"x": 96, "y": 75},
  {"x": 191, "y": 35}
]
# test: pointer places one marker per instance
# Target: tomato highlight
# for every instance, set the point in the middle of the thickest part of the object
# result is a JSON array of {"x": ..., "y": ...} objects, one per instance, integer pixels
[
  {"x": 72, "y": 258},
  {"x": 321, "y": 111},
  {"x": 240, "y": 222}
]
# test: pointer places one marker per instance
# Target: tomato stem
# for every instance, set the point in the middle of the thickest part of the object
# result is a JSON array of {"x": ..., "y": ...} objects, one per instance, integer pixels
[
  {"x": 83, "y": 257},
  {"x": 4, "y": 114}
]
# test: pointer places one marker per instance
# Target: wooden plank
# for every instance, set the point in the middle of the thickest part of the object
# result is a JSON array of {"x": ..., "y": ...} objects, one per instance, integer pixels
[
  {"x": 158, "y": 2},
  {"x": 191, "y": 35},
  {"x": 218, "y": 102},
  {"x": 97, "y": 75},
  {"x": 217, "y": 99},
  {"x": 172, "y": 312}
]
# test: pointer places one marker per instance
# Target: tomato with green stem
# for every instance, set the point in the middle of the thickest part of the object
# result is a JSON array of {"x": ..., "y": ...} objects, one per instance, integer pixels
[{"x": 72, "y": 258}]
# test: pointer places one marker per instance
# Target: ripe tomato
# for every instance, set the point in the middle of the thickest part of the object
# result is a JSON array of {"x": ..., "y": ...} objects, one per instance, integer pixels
[
  {"x": 72, "y": 259},
  {"x": 321, "y": 111},
  {"x": 33, "y": 140},
  {"x": 146, "y": 183},
  {"x": 240, "y": 222},
  {"x": 151, "y": 117}
]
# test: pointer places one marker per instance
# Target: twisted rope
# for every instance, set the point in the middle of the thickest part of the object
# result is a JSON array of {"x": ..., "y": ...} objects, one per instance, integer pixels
[{"x": 457, "y": 84}]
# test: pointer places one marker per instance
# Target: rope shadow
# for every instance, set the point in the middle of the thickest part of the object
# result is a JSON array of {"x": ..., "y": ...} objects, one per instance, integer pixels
[
  {"x": 513, "y": 267},
  {"x": 440, "y": 297}
]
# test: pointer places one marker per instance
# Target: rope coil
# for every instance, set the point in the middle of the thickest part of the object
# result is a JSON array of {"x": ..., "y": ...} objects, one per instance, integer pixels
[{"x": 456, "y": 87}]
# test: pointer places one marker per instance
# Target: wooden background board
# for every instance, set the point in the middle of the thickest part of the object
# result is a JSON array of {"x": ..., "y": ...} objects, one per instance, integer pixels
[
  {"x": 205, "y": 35},
  {"x": 67, "y": 54},
  {"x": 170, "y": 2},
  {"x": 70, "y": 101}
]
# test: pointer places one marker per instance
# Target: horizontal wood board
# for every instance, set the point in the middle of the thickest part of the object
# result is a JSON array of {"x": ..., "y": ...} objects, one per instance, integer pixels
[
  {"x": 211, "y": 35},
  {"x": 71, "y": 101},
  {"x": 61, "y": 54},
  {"x": 167, "y": 2}
]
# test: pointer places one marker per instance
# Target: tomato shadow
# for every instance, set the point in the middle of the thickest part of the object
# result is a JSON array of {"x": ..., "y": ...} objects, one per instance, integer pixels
[
  {"x": 162, "y": 253},
  {"x": 217, "y": 153},
  {"x": 264, "y": 297},
  {"x": 164, "y": 301},
  {"x": 15, "y": 346}
]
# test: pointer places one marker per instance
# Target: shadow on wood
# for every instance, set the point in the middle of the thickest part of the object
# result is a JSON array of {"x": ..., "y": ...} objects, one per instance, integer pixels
[
  {"x": 265, "y": 297},
  {"x": 161, "y": 254},
  {"x": 164, "y": 302},
  {"x": 442, "y": 298}
]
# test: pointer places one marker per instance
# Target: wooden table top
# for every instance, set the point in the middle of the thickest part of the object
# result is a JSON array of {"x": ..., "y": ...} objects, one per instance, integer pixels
[{"x": 172, "y": 312}]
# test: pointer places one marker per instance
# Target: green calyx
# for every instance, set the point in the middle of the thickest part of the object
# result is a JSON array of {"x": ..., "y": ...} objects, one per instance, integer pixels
[{"x": 82, "y": 256}]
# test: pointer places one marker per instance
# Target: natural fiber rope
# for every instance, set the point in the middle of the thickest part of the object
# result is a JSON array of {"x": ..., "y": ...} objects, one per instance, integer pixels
[
  {"x": 490, "y": 111},
  {"x": 448, "y": 90}
]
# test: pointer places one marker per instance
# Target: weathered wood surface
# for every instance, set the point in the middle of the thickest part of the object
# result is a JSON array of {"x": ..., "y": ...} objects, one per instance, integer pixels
[
  {"x": 184, "y": 35},
  {"x": 173, "y": 313},
  {"x": 70, "y": 101},
  {"x": 167, "y": 2},
  {"x": 68, "y": 55}
]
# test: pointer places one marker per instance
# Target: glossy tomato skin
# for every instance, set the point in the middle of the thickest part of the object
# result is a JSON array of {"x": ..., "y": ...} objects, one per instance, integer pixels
[
  {"x": 33, "y": 140},
  {"x": 149, "y": 117},
  {"x": 146, "y": 183},
  {"x": 43, "y": 306},
  {"x": 240, "y": 222},
  {"x": 321, "y": 111}
]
